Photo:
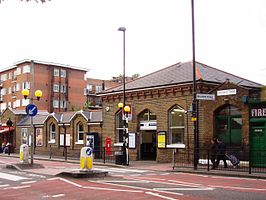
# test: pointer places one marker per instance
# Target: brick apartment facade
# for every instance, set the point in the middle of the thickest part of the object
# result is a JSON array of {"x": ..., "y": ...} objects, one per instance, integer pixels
[
  {"x": 62, "y": 86},
  {"x": 161, "y": 103}
]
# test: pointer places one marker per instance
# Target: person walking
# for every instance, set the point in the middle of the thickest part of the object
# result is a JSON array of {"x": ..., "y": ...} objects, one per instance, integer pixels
[
  {"x": 213, "y": 152},
  {"x": 221, "y": 150}
]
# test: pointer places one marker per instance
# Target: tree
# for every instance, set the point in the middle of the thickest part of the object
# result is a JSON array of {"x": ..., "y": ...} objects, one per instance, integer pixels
[
  {"x": 43, "y": 1},
  {"x": 134, "y": 76}
]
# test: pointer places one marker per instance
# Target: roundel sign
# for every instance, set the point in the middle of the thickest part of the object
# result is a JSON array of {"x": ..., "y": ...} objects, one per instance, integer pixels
[
  {"x": 31, "y": 110},
  {"x": 89, "y": 151}
]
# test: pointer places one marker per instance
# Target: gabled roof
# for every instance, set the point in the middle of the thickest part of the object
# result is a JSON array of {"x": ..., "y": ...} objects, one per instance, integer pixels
[
  {"x": 181, "y": 73},
  {"x": 23, "y": 112},
  {"x": 36, "y": 120}
]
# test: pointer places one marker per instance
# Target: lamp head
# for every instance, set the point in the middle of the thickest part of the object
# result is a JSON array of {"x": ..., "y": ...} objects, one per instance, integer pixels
[
  {"x": 25, "y": 93},
  {"x": 127, "y": 109},
  {"x": 38, "y": 94},
  {"x": 122, "y": 29},
  {"x": 120, "y": 105}
]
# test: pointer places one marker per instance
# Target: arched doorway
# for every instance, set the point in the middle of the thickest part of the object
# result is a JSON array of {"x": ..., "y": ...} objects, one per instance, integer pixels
[
  {"x": 228, "y": 125},
  {"x": 148, "y": 129}
]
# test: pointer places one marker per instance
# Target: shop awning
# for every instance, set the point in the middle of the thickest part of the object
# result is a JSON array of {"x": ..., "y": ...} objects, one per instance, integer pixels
[{"x": 5, "y": 129}]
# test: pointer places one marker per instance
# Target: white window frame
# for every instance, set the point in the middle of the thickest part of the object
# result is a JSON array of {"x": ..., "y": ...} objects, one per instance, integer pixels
[
  {"x": 52, "y": 133},
  {"x": 3, "y": 77},
  {"x": 3, "y": 91},
  {"x": 63, "y": 88},
  {"x": 56, "y": 88},
  {"x": 80, "y": 134},
  {"x": 26, "y": 69},
  {"x": 56, "y": 72},
  {"x": 63, "y": 73},
  {"x": 17, "y": 87},
  {"x": 25, "y": 102},
  {"x": 18, "y": 71},
  {"x": 26, "y": 85},
  {"x": 98, "y": 88},
  {"x": 55, "y": 103},
  {"x": 171, "y": 128}
]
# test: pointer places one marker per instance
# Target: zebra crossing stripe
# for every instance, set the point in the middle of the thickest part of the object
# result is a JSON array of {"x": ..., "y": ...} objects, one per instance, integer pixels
[{"x": 11, "y": 177}]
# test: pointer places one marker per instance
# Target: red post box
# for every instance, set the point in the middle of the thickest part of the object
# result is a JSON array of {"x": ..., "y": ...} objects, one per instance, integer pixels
[{"x": 108, "y": 146}]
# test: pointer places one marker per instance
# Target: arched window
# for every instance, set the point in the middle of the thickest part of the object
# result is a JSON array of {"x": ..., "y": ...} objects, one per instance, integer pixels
[
  {"x": 147, "y": 115},
  {"x": 176, "y": 125},
  {"x": 52, "y": 133},
  {"x": 119, "y": 123},
  {"x": 80, "y": 133}
]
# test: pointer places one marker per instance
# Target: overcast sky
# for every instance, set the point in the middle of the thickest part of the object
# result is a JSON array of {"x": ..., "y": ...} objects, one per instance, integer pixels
[{"x": 230, "y": 35}]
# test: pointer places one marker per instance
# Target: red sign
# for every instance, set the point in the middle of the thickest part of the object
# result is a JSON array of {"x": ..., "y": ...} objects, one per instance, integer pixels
[{"x": 108, "y": 146}]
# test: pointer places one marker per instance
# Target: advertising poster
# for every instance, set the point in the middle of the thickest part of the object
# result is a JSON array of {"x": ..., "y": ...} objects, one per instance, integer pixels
[
  {"x": 39, "y": 137},
  {"x": 161, "y": 139}
]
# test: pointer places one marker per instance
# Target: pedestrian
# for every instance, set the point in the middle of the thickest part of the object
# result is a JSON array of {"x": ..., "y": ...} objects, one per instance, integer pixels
[
  {"x": 213, "y": 152},
  {"x": 221, "y": 150},
  {"x": 4, "y": 147}
]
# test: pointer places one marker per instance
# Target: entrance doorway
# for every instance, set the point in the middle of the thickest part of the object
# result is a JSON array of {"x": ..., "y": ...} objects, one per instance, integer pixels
[
  {"x": 258, "y": 144},
  {"x": 148, "y": 129},
  {"x": 148, "y": 145},
  {"x": 228, "y": 125}
]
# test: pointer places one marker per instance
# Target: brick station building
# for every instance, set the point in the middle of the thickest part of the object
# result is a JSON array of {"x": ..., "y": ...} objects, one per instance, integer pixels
[{"x": 160, "y": 118}]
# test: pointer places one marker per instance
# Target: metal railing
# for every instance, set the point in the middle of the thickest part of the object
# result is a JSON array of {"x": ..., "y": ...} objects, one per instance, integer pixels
[{"x": 236, "y": 159}]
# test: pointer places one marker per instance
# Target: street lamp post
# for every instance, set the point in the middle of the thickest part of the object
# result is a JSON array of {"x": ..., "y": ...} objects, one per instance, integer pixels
[
  {"x": 122, "y": 105},
  {"x": 194, "y": 101},
  {"x": 38, "y": 95},
  {"x": 9, "y": 123}
]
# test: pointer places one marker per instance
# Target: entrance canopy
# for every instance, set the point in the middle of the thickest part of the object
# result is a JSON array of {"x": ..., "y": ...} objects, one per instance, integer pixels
[{"x": 5, "y": 129}]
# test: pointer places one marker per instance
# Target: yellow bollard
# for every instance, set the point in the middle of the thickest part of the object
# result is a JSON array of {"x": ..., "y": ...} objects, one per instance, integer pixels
[{"x": 86, "y": 159}]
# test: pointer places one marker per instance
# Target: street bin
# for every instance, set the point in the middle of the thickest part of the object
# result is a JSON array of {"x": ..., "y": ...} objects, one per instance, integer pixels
[
  {"x": 86, "y": 158},
  {"x": 24, "y": 154},
  {"x": 119, "y": 158}
]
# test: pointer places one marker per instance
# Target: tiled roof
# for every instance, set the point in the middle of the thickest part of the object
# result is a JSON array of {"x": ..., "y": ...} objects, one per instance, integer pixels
[
  {"x": 36, "y": 120},
  {"x": 183, "y": 73}
]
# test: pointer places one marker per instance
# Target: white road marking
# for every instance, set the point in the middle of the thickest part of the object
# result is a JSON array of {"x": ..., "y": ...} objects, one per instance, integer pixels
[
  {"x": 161, "y": 196},
  {"x": 112, "y": 189},
  {"x": 122, "y": 170},
  {"x": 183, "y": 189},
  {"x": 28, "y": 182},
  {"x": 19, "y": 187},
  {"x": 125, "y": 181},
  {"x": 58, "y": 195},
  {"x": 12, "y": 177},
  {"x": 237, "y": 188},
  {"x": 186, "y": 183},
  {"x": 6, "y": 185},
  {"x": 136, "y": 187}
]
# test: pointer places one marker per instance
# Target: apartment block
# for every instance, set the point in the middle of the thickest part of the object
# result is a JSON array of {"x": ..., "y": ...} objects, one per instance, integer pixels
[{"x": 62, "y": 86}]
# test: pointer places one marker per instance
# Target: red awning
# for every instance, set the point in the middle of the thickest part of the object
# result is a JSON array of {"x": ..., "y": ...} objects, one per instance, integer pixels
[{"x": 5, "y": 129}]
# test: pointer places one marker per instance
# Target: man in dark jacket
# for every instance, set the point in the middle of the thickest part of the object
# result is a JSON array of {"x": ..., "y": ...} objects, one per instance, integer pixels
[
  {"x": 213, "y": 152},
  {"x": 221, "y": 150}
]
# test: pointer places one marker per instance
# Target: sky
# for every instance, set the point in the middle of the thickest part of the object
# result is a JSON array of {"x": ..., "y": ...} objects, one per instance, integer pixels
[{"x": 229, "y": 35}]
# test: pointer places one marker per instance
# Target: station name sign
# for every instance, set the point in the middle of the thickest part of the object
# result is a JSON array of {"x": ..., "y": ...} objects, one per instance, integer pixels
[
  {"x": 226, "y": 92},
  {"x": 205, "y": 97},
  {"x": 258, "y": 112}
]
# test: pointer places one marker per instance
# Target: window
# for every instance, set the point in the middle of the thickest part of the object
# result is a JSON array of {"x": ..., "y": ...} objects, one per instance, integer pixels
[
  {"x": 80, "y": 133},
  {"x": 25, "y": 102},
  {"x": 56, "y": 88},
  {"x": 63, "y": 88},
  {"x": 63, "y": 104},
  {"x": 26, "y": 69},
  {"x": 17, "y": 87},
  {"x": 63, "y": 73},
  {"x": 52, "y": 133},
  {"x": 55, "y": 104},
  {"x": 56, "y": 72},
  {"x": 26, "y": 85},
  {"x": 18, "y": 71},
  {"x": 3, "y": 77},
  {"x": 119, "y": 124},
  {"x": 176, "y": 125},
  {"x": 3, "y": 91},
  {"x": 24, "y": 136},
  {"x": 16, "y": 103},
  {"x": 89, "y": 87},
  {"x": 3, "y": 106},
  {"x": 148, "y": 116},
  {"x": 9, "y": 90},
  {"x": 98, "y": 88}
]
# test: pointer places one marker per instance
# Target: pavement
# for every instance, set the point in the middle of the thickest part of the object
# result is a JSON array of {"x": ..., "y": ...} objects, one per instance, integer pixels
[{"x": 45, "y": 165}]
